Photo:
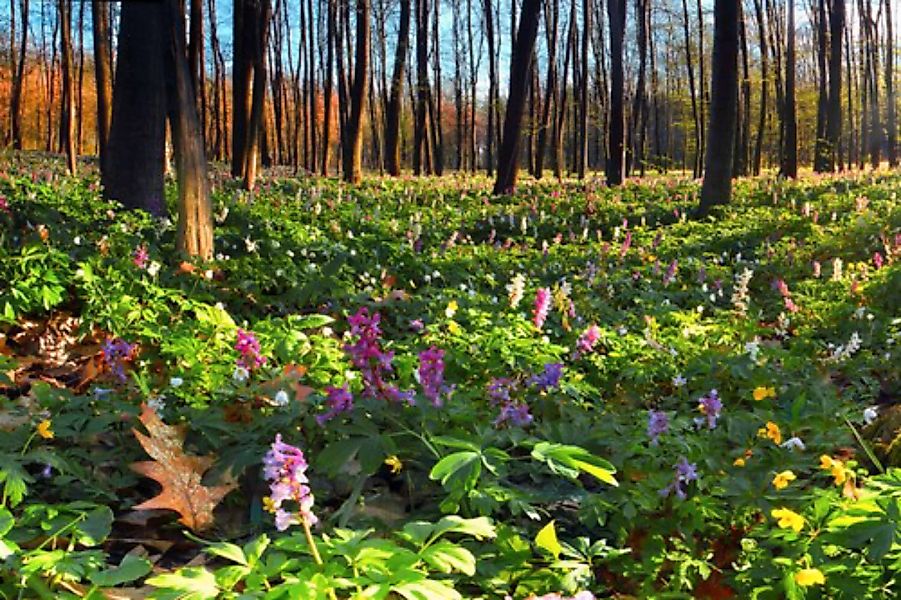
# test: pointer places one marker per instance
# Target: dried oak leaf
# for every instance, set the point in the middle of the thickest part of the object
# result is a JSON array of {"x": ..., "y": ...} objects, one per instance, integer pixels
[{"x": 180, "y": 474}]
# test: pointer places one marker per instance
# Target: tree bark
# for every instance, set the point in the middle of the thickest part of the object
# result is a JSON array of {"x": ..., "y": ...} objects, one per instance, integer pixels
[
  {"x": 395, "y": 102},
  {"x": 890, "y": 125},
  {"x": 15, "y": 108},
  {"x": 616, "y": 10},
  {"x": 353, "y": 151},
  {"x": 764, "y": 87},
  {"x": 834, "y": 113},
  {"x": 790, "y": 154},
  {"x": 717, "y": 186},
  {"x": 516, "y": 99},
  {"x": 260, "y": 35},
  {"x": 102, "y": 73},
  {"x": 133, "y": 170},
  {"x": 67, "y": 114}
]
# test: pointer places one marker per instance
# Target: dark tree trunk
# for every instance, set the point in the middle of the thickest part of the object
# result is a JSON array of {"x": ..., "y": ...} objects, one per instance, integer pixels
[
  {"x": 242, "y": 68},
  {"x": 790, "y": 154},
  {"x": 821, "y": 150},
  {"x": 764, "y": 87},
  {"x": 616, "y": 10},
  {"x": 582, "y": 162},
  {"x": 392, "y": 129},
  {"x": 516, "y": 99},
  {"x": 420, "y": 133},
  {"x": 67, "y": 114},
  {"x": 133, "y": 171},
  {"x": 15, "y": 109},
  {"x": 890, "y": 126},
  {"x": 102, "y": 73},
  {"x": 329, "y": 85},
  {"x": 834, "y": 116},
  {"x": 258, "y": 25},
  {"x": 493, "y": 93},
  {"x": 353, "y": 150},
  {"x": 195, "y": 216},
  {"x": 196, "y": 61},
  {"x": 552, "y": 13},
  {"x": 436, "y": 99},
  {"x": 717, "y": 186}
]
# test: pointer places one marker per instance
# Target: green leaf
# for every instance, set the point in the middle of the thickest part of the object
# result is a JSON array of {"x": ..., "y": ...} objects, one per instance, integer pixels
[
  {"x": 196, "y": 582},
  {"x": 448, "y": 557},
  {"x": 311, "y": 321},
  {"x": 427, "y": 589},
  {"x": 228, "y": 577},
  {"x": 130, "y": 569},
  {"x": 96, "y": 526},
  {"x": 478, "y": 527},
  {"x": 547, "y": 540},
  {"x": 229, "y": 551},
  {"x": 6, "y": 521},
  {"x": 566, "y": 460},
  {"x": 254, "y": 550},
  {"x": 453, "y": 463}
]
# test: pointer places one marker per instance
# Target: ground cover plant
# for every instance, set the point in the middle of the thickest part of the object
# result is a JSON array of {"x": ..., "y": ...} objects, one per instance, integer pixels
[{"x": 403, "y": 389}]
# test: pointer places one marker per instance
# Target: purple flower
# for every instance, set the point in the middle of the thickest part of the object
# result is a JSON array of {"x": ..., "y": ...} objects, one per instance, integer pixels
[
  {"x": 686, "y": 472},
  {"x": 431, "y": 375},
  {"x": 499, "y": 390},
  {"x": 284, "y": 467},
  {"x": 140, "y": 257},
  {"x": 549, "y": 378},
  {"x": 877, "y": 260},
  {"x": 588, "y": 339},
  {"x": 516, "y": 414},
  {"x": 710, "y": 406},
  {"x": 627, "y": 242},
  {"x": 249, "y": 348},
  {"x": 542, "y": 306},
  {"x": 339, "y": 400},
  {"x": 367, "y": 355},
  {"x": 670, "y": 273},
  {"x": 658, "y": 424},
  {"x": 116, "y": 352}
]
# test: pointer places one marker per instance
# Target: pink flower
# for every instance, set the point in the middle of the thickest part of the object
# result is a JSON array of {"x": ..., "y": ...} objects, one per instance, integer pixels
[
  {"x": 140, "y": 257},
  {"x": 877, "y": 260},
  {"x": 249, "y": 347},
  {"x": 588, "y": 339},
  {"x": 285, "y": 466},
  {"x": 431, "y": 375},
  {"x": 542, "y": 306}
]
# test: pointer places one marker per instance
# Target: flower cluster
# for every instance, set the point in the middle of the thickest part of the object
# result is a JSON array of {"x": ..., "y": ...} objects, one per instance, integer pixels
[
  {"x": 117, "y": 352},
  {"x": 515, "y": 413},
  {"x": 249, "y": 348},
  {"x": 658, "y": 424},
  {"x": 710, "y": 406},
  {"x": 516, "y": 289},
  {"x": 339, "y": 400},
  {"x": 588, "y": 340},
  {"x": 367, "y": 355},
  {"x": 431, "y": 375},
  {"x": 845, "y": 351},
  {"x": 685, "y": 473},
  {"x": 542, "y": 306},
  {"x": 670, "y": 273},
  {"x": 284, "y": 467},
  {"x": 140, "y": 257},
  {"x": 790, "y": 305},
  {"x": 740, "y": 296},
  {"x": 549, "y": 378}
]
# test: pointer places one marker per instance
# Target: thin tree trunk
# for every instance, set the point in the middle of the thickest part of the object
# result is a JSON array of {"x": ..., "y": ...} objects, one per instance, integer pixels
[
  {"x": 552, "y": 14},
  {"x": 717, "y": 186},
  {"x": 15, "y": 109},
  {"x": 616, "y": 10},
  {"x": 259, "y": 36},
  {"x": 353, "y": 152},
  {"x": 392, "y": 129},
  {"x": 764, "y": 86},
  {"x": 790, "y": 154},
  {"x": 516, "y": 100},
  {"x": 329, "y": 86},
  {"x": 695, "y": 109},
  {"x": 890, "y": 125},
  {"x": 834, "y": 113},
  {"x": 67, "y": 114}
]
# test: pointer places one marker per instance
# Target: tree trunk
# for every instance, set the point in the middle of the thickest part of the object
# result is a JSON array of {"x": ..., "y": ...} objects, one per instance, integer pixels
[
  {"x": 395, "y": 102},
  {"x": 516, "y": 100},
  {"x": 790, "y": 154},
  {"x": 133, "y": 170},
  {"x": 821, "y": 150},
  {"x": 764, "y": 87},
  {"x": 196, "y": 61},
  {"x": 242, "y": 67},
  {"x": 890, "y": 126},
  {"x": 195, "y": 216},
  {"x": 616, "y": 10},
  {"x": 259, "y": 32},
  {"x": 329, "y": 85},
  {"x": 493, "y": 93},
  {"x": 67, "y": 114},
  {"x": 102, "y": 73},
  {"x": 552, "y": 14},
  {"x": 353, "y": 151},
  {"x": 15, "y": 108},
  {"x": 834, "y": 113},
  {"x": 582, "y": 163},
  {"x": 717, "y": 186},
  {"x": 696, "y": 114},
  {"x": 420, "y": 138}
]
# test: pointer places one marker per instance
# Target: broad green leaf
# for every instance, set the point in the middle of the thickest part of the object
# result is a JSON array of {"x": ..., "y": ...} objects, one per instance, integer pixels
[
  {"x": 448, "y": 557},
  {"x": 96, "y": 526},
  {"x": 196, "y": 582},
  {"x": 427, "y": 589},
  {"x": 547, "y": 540},
  {"x": 130, "y": 569},
  {"x": 452, "y": 463},
  {"x": 478, "y": 527},
  {"x": 227, "y": 550},
  {"x": 6, "y": 521}
]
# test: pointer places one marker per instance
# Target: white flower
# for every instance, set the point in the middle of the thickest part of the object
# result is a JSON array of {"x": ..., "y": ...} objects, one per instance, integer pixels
[
  {"x": 281, "y": 398},
  {"x": 679, "y": 381},
  {"x": 208, "y": 274},
  {"x": 77, "y": 240},
  {"x": 740, "y": 296},
  {"x": 250, "y": 244},
  {"x": 241, "y": 374},
  {"x": 176, "y": 382},
  {"x": 516, "y": 289},
  {"x": 622, "y": 330},
  {"x": 153, "y": 268},
  {"x": 753, "y": 348},
  {"x": 870, "y": 414},
  {"x": 157, "y": 404},
  {"x": 793, "y": 443}
]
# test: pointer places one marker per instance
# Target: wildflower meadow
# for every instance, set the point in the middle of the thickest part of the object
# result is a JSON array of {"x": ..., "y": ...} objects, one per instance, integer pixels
[{"x": 410, "y": 389}]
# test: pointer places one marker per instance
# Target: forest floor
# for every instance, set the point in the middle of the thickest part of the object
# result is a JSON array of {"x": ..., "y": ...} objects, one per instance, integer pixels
[{"x": 567, "y": 392}]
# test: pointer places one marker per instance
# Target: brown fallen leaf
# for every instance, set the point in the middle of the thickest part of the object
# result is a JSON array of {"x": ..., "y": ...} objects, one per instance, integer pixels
[{"x": 180, "y": 474}]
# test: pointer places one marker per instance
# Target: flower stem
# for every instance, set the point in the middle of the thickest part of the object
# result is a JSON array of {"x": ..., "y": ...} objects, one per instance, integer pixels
[{"x": 314, "y": 550}]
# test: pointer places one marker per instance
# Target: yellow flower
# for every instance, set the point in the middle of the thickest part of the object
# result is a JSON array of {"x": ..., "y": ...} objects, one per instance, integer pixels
[
  {"x": 771, "y": 431},
  {"x": 762, "y": 393},
  {"x": 44, "y": 429},
  {"x": 268, "y": 504},
  {"x": 650, "y": 258},
  {"x": 453, "y": 327},
  {"x": 394, "y": 464},
  {"x": 451, "y": 309},
  {"x": 808, "y": 577},
  {"x": 835, "y": 467},
  {"x": 781, "y": 480},
  {"x": 788, "y": 518},
  {"x": 739, "y": 462}
]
